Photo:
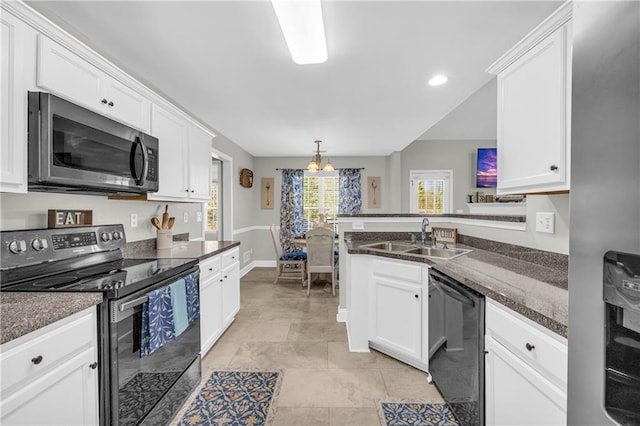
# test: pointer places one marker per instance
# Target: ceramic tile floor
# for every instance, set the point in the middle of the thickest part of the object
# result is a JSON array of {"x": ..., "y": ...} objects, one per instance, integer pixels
[{"x": 279, "y": 327}]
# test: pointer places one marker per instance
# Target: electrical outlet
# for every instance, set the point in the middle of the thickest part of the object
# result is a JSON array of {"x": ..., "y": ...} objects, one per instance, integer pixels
[
  {"x": 198, "y": 216},
  {"x": 134, "y": 220},
  {"x": 185, "y": 217},
  {"x": 246, "y": 256},
  {"x": 357, "y": 225},
  {"x": 545, "y": 222}
]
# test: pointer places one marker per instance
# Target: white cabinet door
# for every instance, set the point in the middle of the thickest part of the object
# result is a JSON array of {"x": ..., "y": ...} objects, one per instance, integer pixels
[
  {"x": 13, "y": 106},
  {"x": 126, "y": 105},
  {"x": 62, "y": 72},
  {"x": 65, "y": 395},
  {"x": 516, "y": 394},
  {"x": 396, "y": 316},
  {"x": 199, "y": 164},
  {"x": 230, "y": 293},
  {"x": 210, "y": 312},
  {"x": 534, "y": 109},
  {"x": 173, "y": 153},
  {"x": 533, "y": 118}
]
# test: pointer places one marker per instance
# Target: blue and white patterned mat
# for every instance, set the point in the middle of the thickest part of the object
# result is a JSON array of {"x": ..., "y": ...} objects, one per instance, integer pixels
[
  {"x": 415, "y": 414},
  {"x": 234, "y": 398}
]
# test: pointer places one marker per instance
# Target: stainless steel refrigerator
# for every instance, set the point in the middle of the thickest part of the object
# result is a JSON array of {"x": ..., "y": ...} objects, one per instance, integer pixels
[{"x": 605, "y": 184}]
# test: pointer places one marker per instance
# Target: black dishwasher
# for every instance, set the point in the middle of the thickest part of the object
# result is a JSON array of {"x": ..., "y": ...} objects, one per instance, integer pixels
[{"x": 457, "y": 365}]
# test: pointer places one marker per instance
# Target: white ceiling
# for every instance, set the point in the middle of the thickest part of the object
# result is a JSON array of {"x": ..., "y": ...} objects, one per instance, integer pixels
[{"x": 228, "y": 65}]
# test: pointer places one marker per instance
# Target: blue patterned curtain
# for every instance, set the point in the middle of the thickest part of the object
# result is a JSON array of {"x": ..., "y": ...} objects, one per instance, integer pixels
[
  {"x": 350, "y": 195},
  {"x": 291, "y": 208}
]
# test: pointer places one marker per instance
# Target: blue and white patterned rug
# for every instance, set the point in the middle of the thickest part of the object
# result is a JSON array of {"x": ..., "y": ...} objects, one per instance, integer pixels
[
  {"x": 234, "y": 398},
  {"x": 415, "y": 414}
]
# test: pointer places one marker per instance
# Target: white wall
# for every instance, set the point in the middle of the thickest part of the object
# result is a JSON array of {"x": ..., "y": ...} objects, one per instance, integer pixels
[{"x": 458, "y": 155}]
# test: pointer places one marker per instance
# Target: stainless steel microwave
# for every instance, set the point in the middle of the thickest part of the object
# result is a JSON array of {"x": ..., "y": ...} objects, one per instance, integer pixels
[{"x": 74, "y": 150}]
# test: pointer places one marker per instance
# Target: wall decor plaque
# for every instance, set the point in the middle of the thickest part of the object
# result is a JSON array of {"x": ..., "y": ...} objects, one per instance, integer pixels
[
  {"x": 69, "y": 218},
  {"x": 374, "y": 190},
  {"x": 266, "y": 193}
]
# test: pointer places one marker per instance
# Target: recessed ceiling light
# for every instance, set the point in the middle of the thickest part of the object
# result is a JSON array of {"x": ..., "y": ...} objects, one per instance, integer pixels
[
  {"x": 303, "y": 28},
  {"x": 438, "y": 80}
]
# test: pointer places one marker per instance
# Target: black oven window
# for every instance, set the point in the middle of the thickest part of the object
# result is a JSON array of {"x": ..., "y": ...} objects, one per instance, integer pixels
[{"x": 81, "y": 147}]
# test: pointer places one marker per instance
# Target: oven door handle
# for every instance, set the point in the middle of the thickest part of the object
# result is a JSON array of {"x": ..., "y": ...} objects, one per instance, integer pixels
[
  {"x": 454, "y": 294},
  {"x": 133, "y": 303}
]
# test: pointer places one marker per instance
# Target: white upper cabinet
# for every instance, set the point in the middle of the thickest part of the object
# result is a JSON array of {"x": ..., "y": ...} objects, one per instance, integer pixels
[
  {"x": 185, "y": 158},
  {"x": 172, "y": 133},
  {"x": 534, "y": 109},
  {"x": 200, "y": 164},
  {"x": 13, "y": 105},
  {"x": 64, "y": 73}
]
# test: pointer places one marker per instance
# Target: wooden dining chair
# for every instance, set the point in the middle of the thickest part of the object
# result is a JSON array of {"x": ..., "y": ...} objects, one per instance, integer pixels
[
  {"x": 320, "y": 255},
  {"x": 288, "y": 265}
]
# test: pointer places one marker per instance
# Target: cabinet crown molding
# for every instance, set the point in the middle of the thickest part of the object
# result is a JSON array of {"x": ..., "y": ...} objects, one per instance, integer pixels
[{"x": 558, "y": 18}]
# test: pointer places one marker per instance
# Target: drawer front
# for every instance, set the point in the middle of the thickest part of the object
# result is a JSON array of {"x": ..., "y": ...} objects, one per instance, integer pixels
[
  {"x": 400, "y": 270},
  {"x": 209, "y": 267},
  {"x": 538, "y": 348},
  {"x": 37, "y": 355},
  {"x": 230, "y": 257}
]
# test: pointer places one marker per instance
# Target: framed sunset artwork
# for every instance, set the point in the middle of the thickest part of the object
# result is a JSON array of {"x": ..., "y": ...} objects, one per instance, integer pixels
[{"x": 487, "y": 168}]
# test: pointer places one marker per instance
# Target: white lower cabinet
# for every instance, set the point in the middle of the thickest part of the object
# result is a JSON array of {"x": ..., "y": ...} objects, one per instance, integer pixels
[
  {"x": 397, "y": 312},
  {"x": 50, "y": 376},
  {"x": 210, "y": 303},
  {"x": 230, "y": 286},
  {"x": 525, "y": 371},
  {"x": 219, "y": 296}
]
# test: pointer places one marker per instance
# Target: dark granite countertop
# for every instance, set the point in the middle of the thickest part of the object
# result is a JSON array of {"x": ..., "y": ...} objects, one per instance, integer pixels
[
  {"x": 180, "y": 250},
  {"x": 501, "y": 218},
  {"x": 538, "y": 292},
  {"x": 22, "y": 313}
]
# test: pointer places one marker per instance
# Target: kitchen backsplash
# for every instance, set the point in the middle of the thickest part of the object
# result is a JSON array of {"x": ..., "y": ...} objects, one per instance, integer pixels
[{"x": 29, "y": 211}]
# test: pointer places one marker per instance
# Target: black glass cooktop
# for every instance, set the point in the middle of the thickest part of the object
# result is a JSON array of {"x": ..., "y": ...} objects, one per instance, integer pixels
[{"x": 115, "y": 279}]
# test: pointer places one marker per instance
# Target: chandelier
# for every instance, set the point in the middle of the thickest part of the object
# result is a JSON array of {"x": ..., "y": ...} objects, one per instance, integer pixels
[{"x": 314, "y": 164}]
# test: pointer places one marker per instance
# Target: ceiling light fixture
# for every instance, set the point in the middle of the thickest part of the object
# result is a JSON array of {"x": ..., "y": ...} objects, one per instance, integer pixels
[
  {"x": 314, "y": 164},
  {"x": 303, "y": 28},
  {"x": 438, "y": 80}
]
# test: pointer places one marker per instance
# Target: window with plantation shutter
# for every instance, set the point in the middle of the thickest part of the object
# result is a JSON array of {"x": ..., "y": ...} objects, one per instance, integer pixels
[
  {"x": 431, "y": 191},
  {"x": 321, "y": 197}
]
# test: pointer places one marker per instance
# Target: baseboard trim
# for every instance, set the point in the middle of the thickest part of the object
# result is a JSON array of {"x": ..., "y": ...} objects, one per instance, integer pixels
[{"x": 257, "y": 264}]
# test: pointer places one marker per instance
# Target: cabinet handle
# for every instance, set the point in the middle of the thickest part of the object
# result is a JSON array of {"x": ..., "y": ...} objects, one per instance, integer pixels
[
  {"x": 553, "y": 168},
  {"x": 221, "y": 280},
  {"x": 193, "y": 190},
  {"x": 37, "y": 360},
  {"x": 111, "y": 104},
  {"x": 233, "y": 257},
  {"x": 104, "y": 101},
  {"x": 94, "y": 365},
  {"x": 186, "y": 190},
  {"x": 416, "y": 296},
  {"x": 529, "y": 347},
  {"x": 210, "y": 269}
]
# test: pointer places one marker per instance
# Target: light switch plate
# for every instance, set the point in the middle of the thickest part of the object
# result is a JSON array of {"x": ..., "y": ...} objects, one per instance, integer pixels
[
  {"x": 185, "y": 217},
  {"x": 134, "y": 220},
  {"x": 545, "y": 222},
  {"x": 198, "y": 216}
]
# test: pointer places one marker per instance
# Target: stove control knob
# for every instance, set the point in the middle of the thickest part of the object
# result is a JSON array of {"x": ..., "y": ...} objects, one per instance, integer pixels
[
  {"x": 105, "y": 237},
  {"x": 39, "y": 244},
  {"x": 17, "y": 247},
  {"x": 116, "y": 235}
]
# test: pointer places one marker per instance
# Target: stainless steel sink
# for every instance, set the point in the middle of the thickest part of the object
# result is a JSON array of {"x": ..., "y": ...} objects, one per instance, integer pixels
[
  {"x": 389, "y": 246},
  {"x": 438, "y": 252},
  {"x": 406, "y": 248}
]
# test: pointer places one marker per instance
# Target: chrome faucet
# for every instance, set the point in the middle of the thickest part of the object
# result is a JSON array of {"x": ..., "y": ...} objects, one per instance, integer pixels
[{"x": 425, "y": 223}]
